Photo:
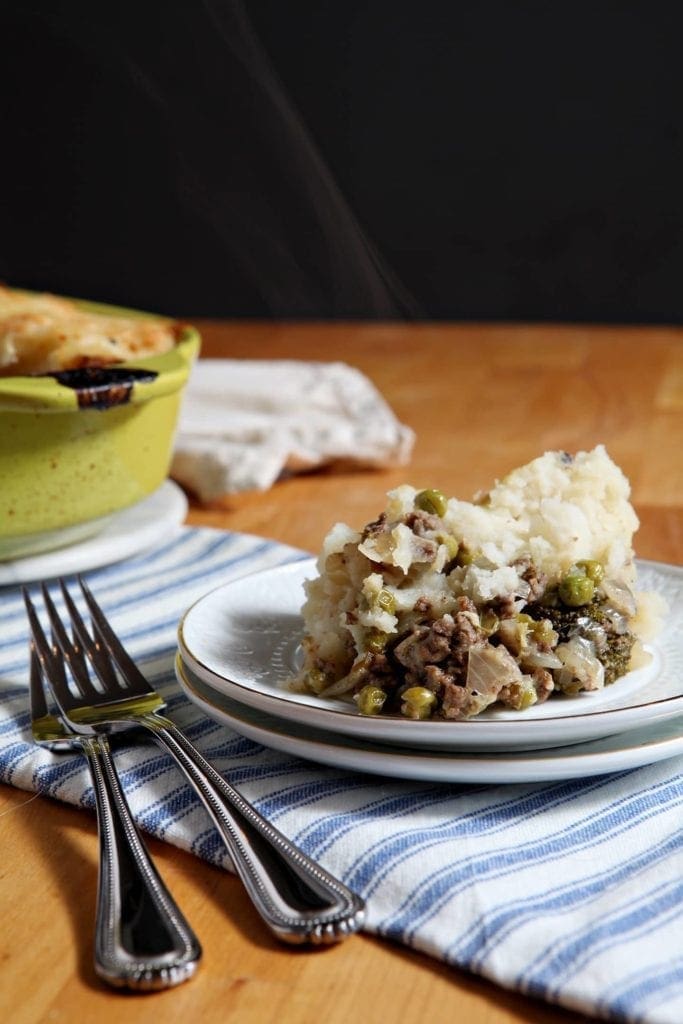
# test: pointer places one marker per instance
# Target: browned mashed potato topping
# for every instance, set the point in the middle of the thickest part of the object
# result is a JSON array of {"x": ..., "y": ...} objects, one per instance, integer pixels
[
  {"x": 441, "y": 608},
  {"x": 48, "y": 334}
]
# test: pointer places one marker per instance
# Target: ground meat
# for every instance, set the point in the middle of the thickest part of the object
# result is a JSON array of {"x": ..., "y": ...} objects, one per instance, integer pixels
[
  {"x": 424, "y": 549},
  {"x": 378, "y": 662},
  {"x": 543, "y": 684},
  {"x": 446, "y": 642},
  {"x": 435, "y": 679},
  {"x": 376, "y": 527},
  {"x": 426, "y": 644},
  {"x": 423, "y": 523},
  {"x": 536, "y": 580},
  {"x": 505, "y": 607},
  {"x": 454, "y": 701},
  {"x": 377, "y": 671},
  {"x": 467, "y": 619}
]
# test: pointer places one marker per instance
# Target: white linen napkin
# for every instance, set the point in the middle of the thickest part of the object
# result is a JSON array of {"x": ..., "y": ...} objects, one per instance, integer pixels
[
  {"x": 570, "y": 890},
  {"x": 244, "y": 423}
]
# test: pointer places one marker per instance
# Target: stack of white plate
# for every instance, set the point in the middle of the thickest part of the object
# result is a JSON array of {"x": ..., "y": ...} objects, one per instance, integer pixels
[{"x": 239, "y": 645}]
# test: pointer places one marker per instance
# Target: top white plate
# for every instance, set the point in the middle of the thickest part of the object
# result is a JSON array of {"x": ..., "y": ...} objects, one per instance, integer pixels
[
  {"x": 243, "y": 639},
  {"x": 122, "y": 535}
]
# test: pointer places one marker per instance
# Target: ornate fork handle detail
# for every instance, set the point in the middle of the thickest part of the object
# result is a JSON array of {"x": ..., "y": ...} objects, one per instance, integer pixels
[
  {"x": 142, "y": 940},
  {"x": 297, "y": 898}
]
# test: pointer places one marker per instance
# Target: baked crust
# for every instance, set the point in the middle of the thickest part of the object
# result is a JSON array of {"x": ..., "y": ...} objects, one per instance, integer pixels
[{"x": 42, "y": 333}]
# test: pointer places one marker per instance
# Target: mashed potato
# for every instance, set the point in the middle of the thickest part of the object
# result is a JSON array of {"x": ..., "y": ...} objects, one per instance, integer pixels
[
  {"x": 441, "y": 608},
  {"x": 48, "y": 334}
]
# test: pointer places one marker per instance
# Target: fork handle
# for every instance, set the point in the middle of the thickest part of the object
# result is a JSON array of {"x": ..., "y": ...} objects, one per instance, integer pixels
[
  {"x": 297, "y": 898},
  {"x": 142, "y": 940}
]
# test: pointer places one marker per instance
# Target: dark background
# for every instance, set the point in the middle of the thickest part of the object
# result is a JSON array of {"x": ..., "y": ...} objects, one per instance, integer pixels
[{"x": 488, "y": 160}]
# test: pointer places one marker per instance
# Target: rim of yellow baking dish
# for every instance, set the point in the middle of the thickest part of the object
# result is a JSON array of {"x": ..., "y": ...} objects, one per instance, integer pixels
[{"x": 46, "y": 394}]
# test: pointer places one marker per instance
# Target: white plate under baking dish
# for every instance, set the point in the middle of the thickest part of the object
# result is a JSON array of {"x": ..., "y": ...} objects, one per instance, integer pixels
[
  {"x": 657, "y": 741},
  {"x": 243, "y": 640},
  {"x": 153, "y": 520}
]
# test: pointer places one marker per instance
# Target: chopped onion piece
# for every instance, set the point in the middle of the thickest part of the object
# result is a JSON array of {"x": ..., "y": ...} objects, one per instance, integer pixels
[
  {"x": 581, "y": 669},
  {"x": 539, "y": 659},
  {"x": 620, "y": 596},
  {"x": 489, "y": 669},
  {"x": 618, "y": 621}
]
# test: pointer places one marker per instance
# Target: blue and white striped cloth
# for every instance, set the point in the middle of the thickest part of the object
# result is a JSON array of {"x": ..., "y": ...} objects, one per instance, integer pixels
[{"x": 568, "y": 891}]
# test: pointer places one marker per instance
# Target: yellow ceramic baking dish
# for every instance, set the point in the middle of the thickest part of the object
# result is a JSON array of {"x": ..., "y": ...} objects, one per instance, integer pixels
[{"x": 78, "y": 446}]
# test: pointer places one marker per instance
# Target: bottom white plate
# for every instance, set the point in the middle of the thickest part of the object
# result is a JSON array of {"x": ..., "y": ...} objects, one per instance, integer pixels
[
  {"x": 123, "y": 534},
  {"x": 633, "y": 749}
]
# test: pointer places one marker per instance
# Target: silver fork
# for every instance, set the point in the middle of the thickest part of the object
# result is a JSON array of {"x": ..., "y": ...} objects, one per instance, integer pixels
[
  {"x": 298, "y": 899},
  {"x": 142, "y": 940}
]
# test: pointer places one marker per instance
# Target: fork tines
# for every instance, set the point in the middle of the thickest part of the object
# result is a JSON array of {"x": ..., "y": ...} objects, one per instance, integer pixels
[{"x": 99, "y": 646}]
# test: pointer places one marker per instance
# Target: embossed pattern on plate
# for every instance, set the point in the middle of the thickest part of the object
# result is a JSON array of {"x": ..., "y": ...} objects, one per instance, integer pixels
[{"x": 242, "y": 640}]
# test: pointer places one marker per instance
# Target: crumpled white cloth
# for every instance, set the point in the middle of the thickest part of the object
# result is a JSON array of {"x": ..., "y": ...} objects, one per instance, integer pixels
[{"x": 244, "y": 423}]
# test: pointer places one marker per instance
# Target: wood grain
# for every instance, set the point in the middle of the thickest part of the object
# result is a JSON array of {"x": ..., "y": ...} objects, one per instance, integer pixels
[{"x": 481, "y": 399}]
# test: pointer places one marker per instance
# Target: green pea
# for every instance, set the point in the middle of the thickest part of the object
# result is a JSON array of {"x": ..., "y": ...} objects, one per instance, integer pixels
[
  {"x": 316, "y": 680},
  {"x": 376, "y": 640},
  {"x": 452, "y": 546},
  {"x": 540, "y": 629},
  {"x": 418, "y": 702},
  {"x": 526, "y": 699},
  {"x": 432, "y": 501},
  {"x": 370, "y": 700},
  {"x": 386, "y": 601},
  {"x": 543, "y": 632},
  {"x": 592, "y": 569},
  {"x": 575, "y": 590},
  {"x": 465, "y": 556}
]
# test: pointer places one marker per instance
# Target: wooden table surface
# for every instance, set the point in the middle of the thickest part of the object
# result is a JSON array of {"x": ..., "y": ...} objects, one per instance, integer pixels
[{"x": 482, "y": 400}]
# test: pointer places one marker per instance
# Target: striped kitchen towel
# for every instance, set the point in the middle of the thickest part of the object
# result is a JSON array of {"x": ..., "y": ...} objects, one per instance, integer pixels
[{"x": 568, "y": 891}]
